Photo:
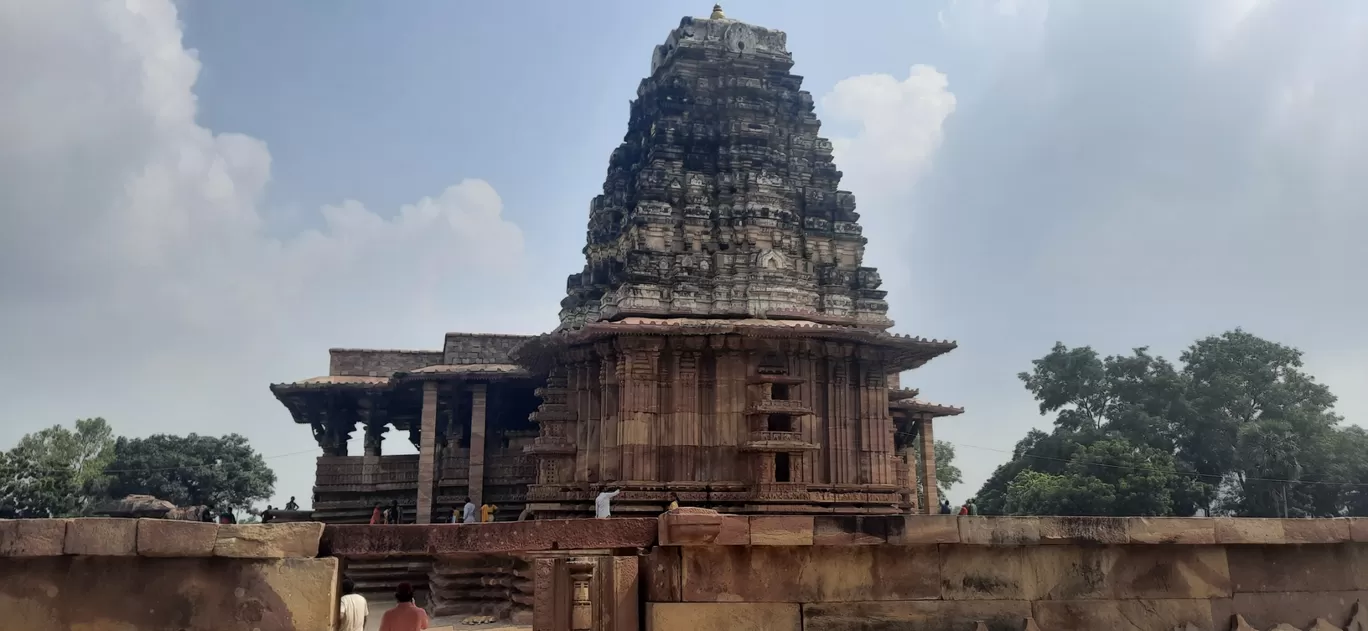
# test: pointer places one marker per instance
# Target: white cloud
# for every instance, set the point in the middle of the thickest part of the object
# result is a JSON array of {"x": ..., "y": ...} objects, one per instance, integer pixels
[
  {"x": 898, "y": 126},
  {"x": 135, "y": 269},
  {"x": 1193, "y": 167},
  {"x": 901, "y": 123}
]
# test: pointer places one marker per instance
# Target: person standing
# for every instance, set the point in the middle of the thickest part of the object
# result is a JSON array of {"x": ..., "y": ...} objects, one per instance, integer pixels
[
  {"x": 945, "y": 507},
  {"x": 469, "y": 513},
  {"x": 377, "y": 515},
  {"x": 292, "y": 504},
  {"x": 602, "y": 507},
  {"x": 352, "y": 611},
  {"x": 405, "y": 616},
  {"x": 973, "y": 508},
  {"x": 674, "y": 502},
  {"x": 487, "y": 513},
  {"x": 396, "y": 517}
]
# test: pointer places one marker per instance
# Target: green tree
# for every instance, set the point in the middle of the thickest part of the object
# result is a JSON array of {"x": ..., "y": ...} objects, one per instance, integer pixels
[
  {"x": 56, "y": 472},
  {"x": 193, "y": 470},
  {"x": 947, "y": 474},
  {"x": 1260, "y": 423},
  {"x": 1239, "y": 429},
  {"x": 1111, "y": 476}
]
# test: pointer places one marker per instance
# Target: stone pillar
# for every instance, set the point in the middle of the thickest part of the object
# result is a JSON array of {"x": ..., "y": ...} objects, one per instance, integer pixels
[
  {"x": 582, "y": 604},
  {"x": 478, "y": 406},
  {"x": 375, "y": 433},
  {"x": 928, "y": 467},
  {"x": 427, "y": 453},
  {"x": 552, "y": 599},
  {"x": 909, "y": 480}
]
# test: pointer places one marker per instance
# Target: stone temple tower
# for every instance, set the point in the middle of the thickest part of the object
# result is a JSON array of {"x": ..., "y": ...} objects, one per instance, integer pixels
[{"x": 724, "y": 343}]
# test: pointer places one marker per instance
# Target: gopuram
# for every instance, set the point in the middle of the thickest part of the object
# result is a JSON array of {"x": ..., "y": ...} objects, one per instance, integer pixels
[{"x": 724, "y": 344}]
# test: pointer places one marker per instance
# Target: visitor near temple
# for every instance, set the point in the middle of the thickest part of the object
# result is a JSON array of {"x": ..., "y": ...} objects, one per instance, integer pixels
[
  {"x": 470, "y": 512},
  {"x": 377, "y": 515},
  {"x": 487, "y": 513},
  {"x": 405, "y": 616},
  {"x": 945, "y": 507},
  {"x": 292, "y": 505},
  {"x": 352, "y": 609},
  {"x": 602, "y": 503}
]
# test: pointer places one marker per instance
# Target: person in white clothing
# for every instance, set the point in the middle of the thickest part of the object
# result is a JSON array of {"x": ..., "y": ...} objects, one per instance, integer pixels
[
  {"x": 470, "y": 513},
  {"x": 352, "y": 611},
  {"x": 602, "y": 508}
]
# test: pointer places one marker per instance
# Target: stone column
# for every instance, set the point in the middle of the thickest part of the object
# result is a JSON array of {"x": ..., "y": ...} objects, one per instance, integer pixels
[
  {"x": 928, "y": 468},
  {"x": 478, "y": 406},
  {"x": 427, "y": 453},
  {"x": 375, "y": 433},
  {"x": 909, "y": 480}
]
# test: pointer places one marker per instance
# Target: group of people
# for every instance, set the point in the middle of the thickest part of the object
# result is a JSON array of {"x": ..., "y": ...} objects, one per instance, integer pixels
[
  {"x": 387, "y": 515},
  {"x": 404, "y": 616},
  {"x": 968, "y": 508}
]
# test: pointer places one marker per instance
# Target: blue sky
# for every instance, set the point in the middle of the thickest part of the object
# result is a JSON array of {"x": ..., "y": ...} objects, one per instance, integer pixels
[{"x": 198, "y": 199}]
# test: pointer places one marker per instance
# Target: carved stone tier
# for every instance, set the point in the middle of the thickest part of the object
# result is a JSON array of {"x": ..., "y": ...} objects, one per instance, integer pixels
[
  {"x": 723, "y": 200},
  {"x": 684, "y": 407}
]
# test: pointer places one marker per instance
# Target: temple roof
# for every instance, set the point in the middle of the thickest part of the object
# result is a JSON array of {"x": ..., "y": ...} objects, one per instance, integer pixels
[
  {"x": 723, "y": 199},
  {"x": 900, "y": 394},
  {"x": 330, "y": 381},
  {"x": 906, "y": 352},
  {"x": 465, "y": 369},
  {"x": 933, "y": 409}
]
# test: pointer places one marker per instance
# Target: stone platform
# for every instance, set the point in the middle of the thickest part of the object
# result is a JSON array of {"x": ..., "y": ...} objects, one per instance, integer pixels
[{"x": 699, "y": 570}]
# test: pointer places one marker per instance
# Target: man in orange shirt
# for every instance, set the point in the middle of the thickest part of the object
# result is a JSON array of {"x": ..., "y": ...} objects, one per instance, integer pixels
[{"x": 405, "y": 616}]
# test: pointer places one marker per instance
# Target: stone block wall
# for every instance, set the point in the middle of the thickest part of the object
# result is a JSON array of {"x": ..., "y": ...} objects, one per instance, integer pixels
[
  {"x": 948, "y": 573},
  {"x": 352, "y": 362},
  {"x": 124, "y": 574},
  {"x": 480, "y": 348}
]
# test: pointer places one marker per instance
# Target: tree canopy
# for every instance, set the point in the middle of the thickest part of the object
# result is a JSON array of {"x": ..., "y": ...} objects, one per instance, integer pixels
[
  {"x": 59, "y": 472},
  {"x": 191, "y": 470},
  {"x": 1238, "y": 429},
  {"x": 55, "y": 471},
  {"x": 947, "y": 474}
]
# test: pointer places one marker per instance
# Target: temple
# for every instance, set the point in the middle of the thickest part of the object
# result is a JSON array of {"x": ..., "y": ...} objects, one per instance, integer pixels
[{"x": 724, "y": 344}]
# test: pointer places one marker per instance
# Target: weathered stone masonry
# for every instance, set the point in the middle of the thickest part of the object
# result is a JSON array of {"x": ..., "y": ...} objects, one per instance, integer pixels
[{"x": 724, "y": 343}]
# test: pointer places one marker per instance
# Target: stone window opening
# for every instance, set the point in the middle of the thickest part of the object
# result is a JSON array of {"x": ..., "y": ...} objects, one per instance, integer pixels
[
  {"x": 779, "y": 391},
  {"x": 781, "y": 467},
  {"x": 779, "y": 423}
]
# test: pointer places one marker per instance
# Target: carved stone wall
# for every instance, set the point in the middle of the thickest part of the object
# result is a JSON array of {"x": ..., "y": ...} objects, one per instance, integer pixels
[
  {"x": 722, "y": 198},
  {"x": 698, "y": 417}
]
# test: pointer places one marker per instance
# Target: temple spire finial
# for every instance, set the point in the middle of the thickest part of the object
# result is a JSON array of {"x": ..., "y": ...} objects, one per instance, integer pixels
[{"x": 717, "y": 13}]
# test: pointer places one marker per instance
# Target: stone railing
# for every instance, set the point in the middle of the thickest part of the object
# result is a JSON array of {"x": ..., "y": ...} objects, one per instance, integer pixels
[
  {"x": 769, "y": 440},
  {"x": 109, "y": 573},
  {"x": 778, "y": 406}
]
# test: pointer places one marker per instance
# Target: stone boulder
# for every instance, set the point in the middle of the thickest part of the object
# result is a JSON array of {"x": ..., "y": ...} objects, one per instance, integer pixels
[{"x": 135, "y": 506}]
